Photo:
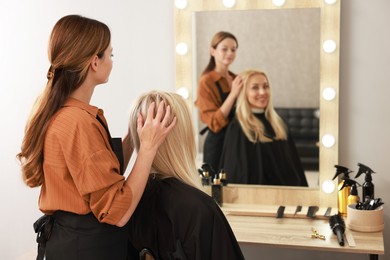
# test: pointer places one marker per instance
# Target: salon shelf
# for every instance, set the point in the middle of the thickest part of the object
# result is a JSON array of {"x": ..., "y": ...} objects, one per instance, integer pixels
[{"x": 271, "y": 210}]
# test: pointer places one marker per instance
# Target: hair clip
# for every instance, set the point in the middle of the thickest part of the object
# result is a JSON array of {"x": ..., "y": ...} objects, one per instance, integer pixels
[{"x": 50, "y": 74}]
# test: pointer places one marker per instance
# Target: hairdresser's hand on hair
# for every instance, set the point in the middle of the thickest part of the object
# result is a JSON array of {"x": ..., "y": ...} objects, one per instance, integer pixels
[
  {"x": 236, "y": 86},
  {"x": 228, "y": 104},
  {"x": 153, "y": 130}
]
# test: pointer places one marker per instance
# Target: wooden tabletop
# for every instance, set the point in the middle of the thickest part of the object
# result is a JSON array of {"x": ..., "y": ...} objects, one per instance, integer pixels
[{"x": 296, "y": 232}]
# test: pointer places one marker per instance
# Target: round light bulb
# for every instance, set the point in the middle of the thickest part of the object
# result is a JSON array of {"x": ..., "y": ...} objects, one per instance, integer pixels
[
  {"x": 181, "y": 4},
  {"x": 328, "y": 186},
  {"x": 181, "y": 48},
  {"x": 329, "y": 46},
  {"x": 329, "y": 93},
  {"x": 183, "y": 91},
  {"x": 278, "y": 2},
  {"x": 328, "y": 140},
  {"x": 330, "y": 2},
  {"x": 229, "y": 3}
]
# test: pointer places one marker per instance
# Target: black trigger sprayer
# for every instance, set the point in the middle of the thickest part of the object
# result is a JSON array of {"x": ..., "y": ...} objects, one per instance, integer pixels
[
  {"x": 368, "y": 186},
  {"x": 343, "y": 192},
  {"x": 353, "y": 197}
]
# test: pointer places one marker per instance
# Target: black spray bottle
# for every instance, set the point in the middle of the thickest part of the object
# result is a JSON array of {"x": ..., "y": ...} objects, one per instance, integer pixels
[
  {"x": 368, "y": 186},
  {"x": 343, "y": 192}
]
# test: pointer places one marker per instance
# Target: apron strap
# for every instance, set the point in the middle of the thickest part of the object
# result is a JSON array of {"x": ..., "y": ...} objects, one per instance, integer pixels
[{"x": 116, "y": 145}]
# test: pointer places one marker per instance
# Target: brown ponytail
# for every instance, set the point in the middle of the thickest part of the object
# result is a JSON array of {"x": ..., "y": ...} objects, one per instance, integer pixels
[{"x": 73, "y": 42}]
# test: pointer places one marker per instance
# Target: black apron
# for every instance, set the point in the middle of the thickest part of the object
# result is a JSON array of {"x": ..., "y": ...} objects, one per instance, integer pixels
[
  {"x": 83, "y": 237},
  {"x": 66, "y": 235},
  {"x": 213, "y": 144}
]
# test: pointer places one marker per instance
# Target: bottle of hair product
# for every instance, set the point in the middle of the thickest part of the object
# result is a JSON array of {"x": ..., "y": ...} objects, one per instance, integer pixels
[
  {"x": 343, "y": 195},
  {"x": 368, "y": 186},
  {"x": 353, "y": 197},
  {"x": 343, "y": 192},
  {"x": 222, "y": 177},
  {"x": 205, "y": 178},
  {"x": 216, "y": 191}
]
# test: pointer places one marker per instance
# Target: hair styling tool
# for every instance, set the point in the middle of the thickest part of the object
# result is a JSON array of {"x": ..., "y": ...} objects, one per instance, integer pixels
[{"x": 337, "y": 225}]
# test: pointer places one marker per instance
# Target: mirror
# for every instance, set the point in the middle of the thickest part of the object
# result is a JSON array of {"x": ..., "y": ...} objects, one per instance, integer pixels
[
  {"x": 284, "y": 43},
  {"x": 326, "y": 15}
]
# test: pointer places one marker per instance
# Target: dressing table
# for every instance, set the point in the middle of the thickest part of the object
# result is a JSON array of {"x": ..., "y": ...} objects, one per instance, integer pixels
[
  {"x": 256, "y": 224},
  {"x": 297, "y": 233}
]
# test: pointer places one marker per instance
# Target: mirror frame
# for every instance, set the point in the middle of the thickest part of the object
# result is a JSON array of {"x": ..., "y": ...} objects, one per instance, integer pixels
[{"x": 329, "y": 109}]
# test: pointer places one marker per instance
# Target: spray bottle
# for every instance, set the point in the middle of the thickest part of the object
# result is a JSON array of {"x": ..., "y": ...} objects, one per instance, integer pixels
[
  {"x": 368, "y": 186},
  {"x": 353, "y": 197},
  {"x": 223, "y": 178},
  {"x": 342, "y": 193}
]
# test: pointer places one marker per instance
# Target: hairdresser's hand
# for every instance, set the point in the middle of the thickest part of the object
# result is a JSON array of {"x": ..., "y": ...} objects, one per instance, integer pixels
[
  {"x": 236, "y": 86},
  {"x": 153, "y": 130}
]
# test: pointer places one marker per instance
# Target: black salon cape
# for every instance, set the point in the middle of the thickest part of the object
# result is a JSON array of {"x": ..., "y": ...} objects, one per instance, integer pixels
[
  {"x": 267, "y": 163},
  {"x": 171, "y": 211}
]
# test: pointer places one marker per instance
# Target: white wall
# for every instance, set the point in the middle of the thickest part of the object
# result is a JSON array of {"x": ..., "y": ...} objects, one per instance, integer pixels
[{"x": 143, "y": 37}]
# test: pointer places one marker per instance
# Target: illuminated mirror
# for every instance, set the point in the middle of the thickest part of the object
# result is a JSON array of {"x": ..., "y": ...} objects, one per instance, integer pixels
[{"x": 327, "y": 71}]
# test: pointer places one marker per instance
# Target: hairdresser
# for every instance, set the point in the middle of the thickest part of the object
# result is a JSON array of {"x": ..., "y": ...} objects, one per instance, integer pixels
[
  {"x": 67, "y": 150},
  {"x": 218, "y": 90}
]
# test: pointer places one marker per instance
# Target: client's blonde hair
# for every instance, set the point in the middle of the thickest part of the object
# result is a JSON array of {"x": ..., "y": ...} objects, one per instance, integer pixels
[{"x": 176, "y": 156}]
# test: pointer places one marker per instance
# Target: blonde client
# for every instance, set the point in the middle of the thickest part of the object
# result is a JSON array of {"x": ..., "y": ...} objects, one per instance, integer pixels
[
  {"x": 175, "y": 219},
  {"x": 258, "y": 148}
]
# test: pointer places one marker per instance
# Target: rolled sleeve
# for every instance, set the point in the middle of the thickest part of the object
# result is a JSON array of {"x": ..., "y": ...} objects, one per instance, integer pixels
[{"x": 104, "y": 188}]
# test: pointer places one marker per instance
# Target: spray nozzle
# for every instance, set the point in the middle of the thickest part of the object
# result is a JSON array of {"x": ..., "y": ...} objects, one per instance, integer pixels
[
  {"x": 342, "y": 170},
  {"x": 349, "y": 183},
  {"x": 206, "y": 168},
  {"x": 363, "y": 169}
]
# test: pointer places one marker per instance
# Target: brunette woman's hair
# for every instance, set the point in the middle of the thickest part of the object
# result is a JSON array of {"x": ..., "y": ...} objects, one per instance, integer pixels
[{"x": 74, "y": 41}]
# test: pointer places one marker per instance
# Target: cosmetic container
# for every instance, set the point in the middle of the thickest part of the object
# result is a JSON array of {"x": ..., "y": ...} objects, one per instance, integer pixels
[
  {"x": 368, "y": 186},
  {"x": 217, "y": 191},
  {"x": 353, "y": 197},
  {"x": 223, "y": 178},
  {"x": 206, "y": 179},
  {"x": 365, "y": 220},
  {"x": 342, "y": 195}
]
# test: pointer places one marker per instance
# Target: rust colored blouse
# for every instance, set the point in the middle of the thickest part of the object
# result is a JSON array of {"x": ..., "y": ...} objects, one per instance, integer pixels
[
  {"x": 209, "y": 100},
  {"x": 81, "y": 172}
]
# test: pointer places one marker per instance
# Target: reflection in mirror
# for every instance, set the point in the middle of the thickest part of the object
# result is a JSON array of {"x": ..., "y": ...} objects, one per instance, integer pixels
[
  {"x": 327, "y": 68},
  {"x": 285, "y": 44}
]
